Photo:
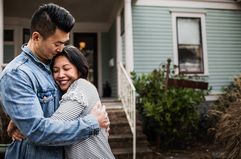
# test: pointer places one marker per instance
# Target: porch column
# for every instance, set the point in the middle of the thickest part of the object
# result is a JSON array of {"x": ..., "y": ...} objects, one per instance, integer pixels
[
  {"x": 118, "y": 50},
  {"x": 99, "y": 69},
  {"x": 128, "y": 36},
  {"x": 1, "y": 34}
]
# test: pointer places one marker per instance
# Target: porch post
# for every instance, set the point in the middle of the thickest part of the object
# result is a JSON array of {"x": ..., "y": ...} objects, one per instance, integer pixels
[
  {"x": 99, "y": 59},
  {"x": 128, "y": 36},
  {"x": 118, "y": 50},
  {"x": 1, "y": 34}
]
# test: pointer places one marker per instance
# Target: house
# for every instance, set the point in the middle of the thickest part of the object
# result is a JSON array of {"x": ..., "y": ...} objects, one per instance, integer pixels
[{"x": 201, "y": 36}]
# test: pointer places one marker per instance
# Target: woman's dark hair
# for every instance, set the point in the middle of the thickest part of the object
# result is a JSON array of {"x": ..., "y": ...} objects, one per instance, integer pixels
[
  {"x": 48, "y": 17},
  {"x": 76, "y": 57}
]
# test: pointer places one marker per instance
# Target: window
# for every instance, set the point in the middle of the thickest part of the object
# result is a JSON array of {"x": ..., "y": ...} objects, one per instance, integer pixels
[
  {"x": 122, "y": 22},
  {"x": 189, "y": 43},
  {"x": 26, "y": 35},
  {"x": 8, "y": 46}
]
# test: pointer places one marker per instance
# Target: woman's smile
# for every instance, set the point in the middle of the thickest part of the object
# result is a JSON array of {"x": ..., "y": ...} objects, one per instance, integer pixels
[{"x": 64, "y": 72}]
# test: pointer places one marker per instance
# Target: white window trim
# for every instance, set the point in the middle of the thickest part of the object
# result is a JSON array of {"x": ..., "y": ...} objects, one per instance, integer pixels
[
  {"x": 204, "y": 41},
  {"x": 210, "y": 4}
]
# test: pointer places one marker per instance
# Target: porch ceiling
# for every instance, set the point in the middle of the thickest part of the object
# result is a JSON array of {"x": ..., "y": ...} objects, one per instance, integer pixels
[{"x": 99, "y": 11}]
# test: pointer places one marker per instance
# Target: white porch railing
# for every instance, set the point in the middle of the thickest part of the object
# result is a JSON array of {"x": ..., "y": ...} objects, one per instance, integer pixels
[{"x": 127, "y": 95}]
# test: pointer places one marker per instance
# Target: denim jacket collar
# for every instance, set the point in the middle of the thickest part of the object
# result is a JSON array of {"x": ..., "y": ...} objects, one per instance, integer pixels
[{"x": 30, "y": 54}]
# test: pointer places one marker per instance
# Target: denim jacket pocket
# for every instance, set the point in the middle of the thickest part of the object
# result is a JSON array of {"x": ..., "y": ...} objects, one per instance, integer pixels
[
  {"x": 46, "y": 99},
  {"x": 45, "y": 96}
]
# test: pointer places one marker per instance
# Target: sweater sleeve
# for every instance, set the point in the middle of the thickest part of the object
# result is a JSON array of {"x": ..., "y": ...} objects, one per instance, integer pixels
[{"x": 71, "y": 105}]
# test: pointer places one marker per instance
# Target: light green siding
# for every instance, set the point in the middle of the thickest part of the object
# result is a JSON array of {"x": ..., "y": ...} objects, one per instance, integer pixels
[
  {"x": 153, "y": 43},
  {"x": 113, "y": 69},
  {"x": 152, "y": 35},
  {"x": 224, "y": 46},
  {"x": 108, "y": 52},
  {"x": 105, "y": 41}
]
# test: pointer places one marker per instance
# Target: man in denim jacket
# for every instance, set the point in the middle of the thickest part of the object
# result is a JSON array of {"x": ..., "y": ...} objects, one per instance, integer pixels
[{"x": 29, "y": 94}]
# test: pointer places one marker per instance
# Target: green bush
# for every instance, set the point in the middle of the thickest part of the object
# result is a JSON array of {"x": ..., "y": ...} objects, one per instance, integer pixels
[{"x": 169, "y": 114}]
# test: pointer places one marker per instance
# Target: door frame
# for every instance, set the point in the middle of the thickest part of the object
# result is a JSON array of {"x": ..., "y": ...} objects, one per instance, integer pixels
[{"x": 76, "y": 36}]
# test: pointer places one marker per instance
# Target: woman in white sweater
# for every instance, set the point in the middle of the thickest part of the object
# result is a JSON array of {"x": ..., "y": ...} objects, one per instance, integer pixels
[{"x": 70, "y": 71}]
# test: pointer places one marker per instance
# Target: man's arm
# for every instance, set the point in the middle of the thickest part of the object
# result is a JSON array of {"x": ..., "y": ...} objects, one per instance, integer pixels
[
  {"x": 22, "y": 105},
  {"x": 104, "y": 122}
]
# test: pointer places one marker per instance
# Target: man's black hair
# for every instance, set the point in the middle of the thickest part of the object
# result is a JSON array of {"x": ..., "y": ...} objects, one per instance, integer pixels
[{"x": 48, "y": 17}]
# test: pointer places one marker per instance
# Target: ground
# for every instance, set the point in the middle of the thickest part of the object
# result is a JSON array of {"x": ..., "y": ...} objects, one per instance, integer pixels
[{"x": 199, "y": 151}]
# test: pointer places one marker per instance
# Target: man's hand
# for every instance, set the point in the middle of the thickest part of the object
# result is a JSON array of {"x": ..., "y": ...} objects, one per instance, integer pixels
[
  {"x": 14, "y": 132},
  {"x": 101, "y": 115}
]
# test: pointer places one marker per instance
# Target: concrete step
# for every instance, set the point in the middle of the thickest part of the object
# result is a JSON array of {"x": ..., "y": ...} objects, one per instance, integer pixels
[
  {"x": 119, "y": 127},
  {"x": 127, "y": 153},
  {"x": 111, "y": 103},
  {"x": 116, "y": 114},
  {"x": 125, "y": 141},
  {"x": 121, "y": 138},
  {"x": 109, "y": 100},
  {"x": 122, "y": 127}
]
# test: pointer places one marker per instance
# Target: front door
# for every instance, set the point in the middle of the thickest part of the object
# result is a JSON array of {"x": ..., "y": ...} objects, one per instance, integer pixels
[{"x": 87, "y": 43}]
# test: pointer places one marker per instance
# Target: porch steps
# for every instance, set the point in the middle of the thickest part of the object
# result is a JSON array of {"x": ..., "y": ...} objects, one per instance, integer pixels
[{"x": 121, "y": 138}]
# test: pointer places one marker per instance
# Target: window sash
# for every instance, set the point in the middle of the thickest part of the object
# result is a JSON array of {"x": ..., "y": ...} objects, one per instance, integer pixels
[
  {"x": 189, "y": 45},
  {"x": 190, "y": 59},
  {"x": 8, "y": 47},
  {"x": 8, "y": 53}
]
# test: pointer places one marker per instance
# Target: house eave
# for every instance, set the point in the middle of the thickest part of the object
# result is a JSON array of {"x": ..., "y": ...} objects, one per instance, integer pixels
[{"x": 207, "y": 4}]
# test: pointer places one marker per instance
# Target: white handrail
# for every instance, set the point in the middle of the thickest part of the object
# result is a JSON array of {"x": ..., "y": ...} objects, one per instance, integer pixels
[{"x": 128, "y": 98}]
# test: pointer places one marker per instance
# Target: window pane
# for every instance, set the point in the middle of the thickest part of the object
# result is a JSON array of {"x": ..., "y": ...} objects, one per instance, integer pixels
[
  {"x": 122, "y": 21},
  {"x": 190, "y": 59},
  {"x": 8, "y": 53},
  {"x": 190, "y": 53},
  {"x": 8, "y": 35},
  {"x": 26, "y": 35},
  {"x": 188, "y": 30}
]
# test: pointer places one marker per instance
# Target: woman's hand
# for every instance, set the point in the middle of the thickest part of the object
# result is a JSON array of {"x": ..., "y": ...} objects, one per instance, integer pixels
[
  {"x": 14, "y": 132},
  {"x": 101, "y": 115}
]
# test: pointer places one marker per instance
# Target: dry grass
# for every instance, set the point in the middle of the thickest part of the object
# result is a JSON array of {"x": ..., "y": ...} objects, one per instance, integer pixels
[
  {"x": 227, "y": 115},
  {"x": 229, "y": 131}
]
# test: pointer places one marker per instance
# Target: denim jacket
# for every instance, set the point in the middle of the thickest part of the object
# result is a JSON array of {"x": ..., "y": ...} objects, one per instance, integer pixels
[{"x": 30, "y": 96}]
